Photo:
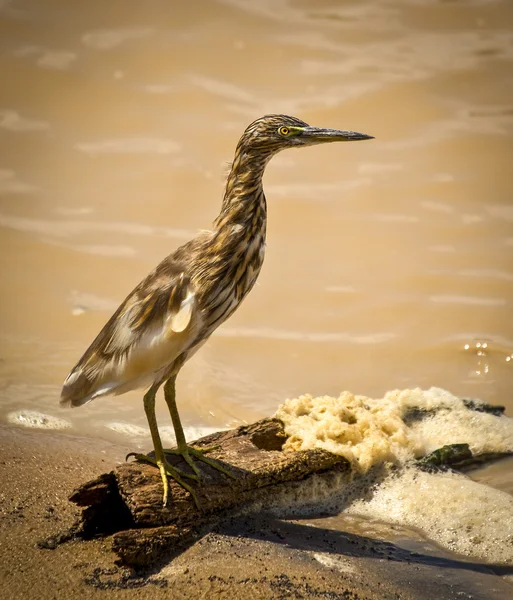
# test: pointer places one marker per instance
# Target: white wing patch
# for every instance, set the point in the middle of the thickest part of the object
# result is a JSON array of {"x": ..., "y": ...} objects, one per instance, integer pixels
[
  {"x": 72, "y": 377},
  {"x": 105, "y": 388},
  {"x": 180, "y": 321}
]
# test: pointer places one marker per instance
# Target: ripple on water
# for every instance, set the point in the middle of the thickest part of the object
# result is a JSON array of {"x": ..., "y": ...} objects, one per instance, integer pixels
[
  {"x": 11, "y": 184},
  {"x": 106, "y": 39},
  {"x": 299, "y": 336},
  {"x": 13, "y": 121},
  {"x": 482, "y": 301},
  {"x": 129, "y": 146},
  {"x": 68, "y": 228},
  {"x": 47, "y": 58}
]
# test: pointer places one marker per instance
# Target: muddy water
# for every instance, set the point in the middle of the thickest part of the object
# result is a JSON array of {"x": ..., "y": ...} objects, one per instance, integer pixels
[{"x": 389, "y": 262}]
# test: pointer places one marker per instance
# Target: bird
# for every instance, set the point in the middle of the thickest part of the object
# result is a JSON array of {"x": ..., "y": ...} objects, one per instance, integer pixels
[{"x": 173, "y": 311}]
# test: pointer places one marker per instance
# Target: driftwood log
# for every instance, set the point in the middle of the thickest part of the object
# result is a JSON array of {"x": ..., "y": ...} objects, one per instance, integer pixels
[{"x": 127, "y": 503}]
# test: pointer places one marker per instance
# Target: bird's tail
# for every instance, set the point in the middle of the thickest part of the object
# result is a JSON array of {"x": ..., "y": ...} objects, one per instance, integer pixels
[{"x": 77, "y": 389}]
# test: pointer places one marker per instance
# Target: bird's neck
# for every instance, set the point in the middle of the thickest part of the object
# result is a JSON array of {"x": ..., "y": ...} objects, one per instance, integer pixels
[{"x": 244, "y": 201}]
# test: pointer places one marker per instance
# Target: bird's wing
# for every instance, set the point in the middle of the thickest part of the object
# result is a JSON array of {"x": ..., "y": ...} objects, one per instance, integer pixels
[{"x": 145, "y": 334}]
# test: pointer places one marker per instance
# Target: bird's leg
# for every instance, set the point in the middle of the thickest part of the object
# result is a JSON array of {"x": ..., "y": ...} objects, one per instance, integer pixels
[
  {"x": 166, "y": 470},
  {"x": 182, "y": 449}
]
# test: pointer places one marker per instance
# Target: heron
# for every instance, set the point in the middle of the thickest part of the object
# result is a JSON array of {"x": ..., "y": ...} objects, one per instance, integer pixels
[{"x": 164, "y": 321}]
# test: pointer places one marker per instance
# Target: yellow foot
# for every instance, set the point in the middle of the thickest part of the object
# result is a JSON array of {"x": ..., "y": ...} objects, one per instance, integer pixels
[
  {"x": 167, "y": 470},
  {"x": 188, "y": 452}
]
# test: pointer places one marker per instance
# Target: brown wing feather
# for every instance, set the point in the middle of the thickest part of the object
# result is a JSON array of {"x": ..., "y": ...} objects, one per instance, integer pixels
[{"x": 158, "y": 297}]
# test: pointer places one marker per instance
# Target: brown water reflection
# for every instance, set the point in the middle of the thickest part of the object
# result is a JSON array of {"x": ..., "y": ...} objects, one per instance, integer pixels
[{"x": 384, "y": 259}]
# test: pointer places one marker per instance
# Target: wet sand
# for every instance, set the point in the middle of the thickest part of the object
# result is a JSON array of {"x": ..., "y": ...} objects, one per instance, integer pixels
[{"x": 258, "y": 556}]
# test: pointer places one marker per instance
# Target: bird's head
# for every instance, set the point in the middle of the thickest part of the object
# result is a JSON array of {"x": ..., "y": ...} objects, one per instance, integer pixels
[{"x": 272, "y": 133}]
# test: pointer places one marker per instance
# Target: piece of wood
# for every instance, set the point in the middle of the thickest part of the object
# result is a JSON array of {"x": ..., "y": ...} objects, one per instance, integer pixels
[{"x": 128, "y": 501}]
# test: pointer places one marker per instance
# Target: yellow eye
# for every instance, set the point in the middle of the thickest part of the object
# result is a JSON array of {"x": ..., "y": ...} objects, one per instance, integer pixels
[{"x": 284, "y": 130}]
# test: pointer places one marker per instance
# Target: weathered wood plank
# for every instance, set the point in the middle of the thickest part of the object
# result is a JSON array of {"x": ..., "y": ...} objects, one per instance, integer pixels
[{"x": 128, "y": 501}]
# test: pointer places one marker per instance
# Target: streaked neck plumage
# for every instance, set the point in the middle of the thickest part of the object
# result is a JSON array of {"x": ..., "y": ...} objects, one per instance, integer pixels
[
  {"x": 244, "y": 200},
  {"x": 230, "y": 266}
]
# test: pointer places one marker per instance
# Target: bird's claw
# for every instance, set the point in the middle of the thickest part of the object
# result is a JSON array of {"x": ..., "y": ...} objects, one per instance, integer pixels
[
  {"x": 171, "y": 471},
  {"x": 166, "y": 470},
  {"x": 188, "y": 452}
]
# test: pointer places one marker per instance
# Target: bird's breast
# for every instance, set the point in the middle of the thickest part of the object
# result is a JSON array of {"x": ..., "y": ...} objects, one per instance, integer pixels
[{"x": 238, "y": 276}]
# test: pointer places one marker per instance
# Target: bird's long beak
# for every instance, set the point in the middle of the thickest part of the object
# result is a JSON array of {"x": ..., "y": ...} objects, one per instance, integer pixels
[{"x": 320, "y": 135}]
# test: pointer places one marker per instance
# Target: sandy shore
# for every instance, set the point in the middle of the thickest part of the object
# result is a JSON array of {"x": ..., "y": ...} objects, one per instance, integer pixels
[{"x": 258, "y": 557}]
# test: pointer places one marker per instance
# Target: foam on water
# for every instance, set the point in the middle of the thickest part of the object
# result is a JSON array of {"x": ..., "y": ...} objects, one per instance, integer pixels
[
  {"x": 128, "y": 429},
  {"x": 36, "y": 420},
  {"x": 364, "y": 431},
  {"x": 370, "y": 431},
  {"x": 373, "y": 434},
  {"x": 167, "y": 432},
  {"x": 191, "y": 433},
  {"x": 464, "y": 516}
]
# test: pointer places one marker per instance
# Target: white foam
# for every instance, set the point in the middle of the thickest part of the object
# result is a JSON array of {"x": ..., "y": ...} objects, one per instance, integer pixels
[
  {"x": 37, "y": 420},
  {"x": 131, "y": 431},
  {"x": 460, "y": 514},
  {"x": 167, "y": 432},
  {"x": 373, "y": 434},
  {"x": 364, "y": 431},
  {"x": 191, "y": 433},
  {"x": 370, "y": 431},
  {"x": 481, "y": 431}
]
